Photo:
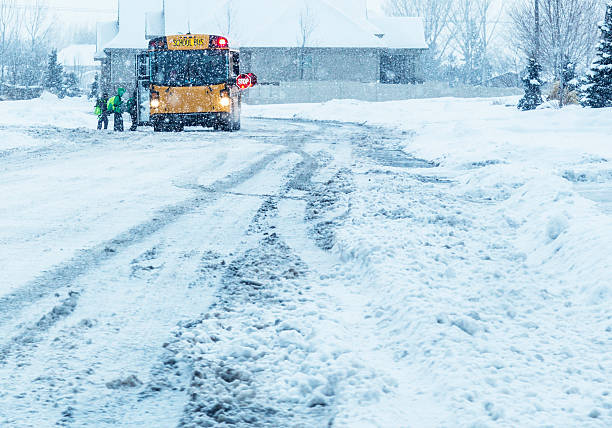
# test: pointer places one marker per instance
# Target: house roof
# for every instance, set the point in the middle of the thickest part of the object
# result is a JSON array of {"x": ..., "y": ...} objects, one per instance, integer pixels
[
  {"x": 77, "y": 55},
  {"x": 105, "y": 33},
  {"x": 270, "y": 23},
  {"x": 401, "y": 32},
  {"x": 263, "y": 23},
  {"x": 129, "y": 32},
  {"x": 132, "y": 23}
]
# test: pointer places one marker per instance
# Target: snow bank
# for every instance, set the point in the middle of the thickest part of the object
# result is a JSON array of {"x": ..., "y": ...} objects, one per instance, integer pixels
[
  {"x": 49, "y": 110},
  {"x": 494, "y": 152},
  {"x": 458, "y": 132},
  {"x": 451, "y": 127},
  {"x": 560, "y": 231},
  {"x": 487, "y": 277}
]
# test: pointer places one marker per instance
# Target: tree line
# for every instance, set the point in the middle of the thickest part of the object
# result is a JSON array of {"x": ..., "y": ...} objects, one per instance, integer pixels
[
  {"x": 458, "y": 33},
  {"x": 23, "y": 42},
  {"x": 29, "y": 37},
  {"x": 556, "y": 39}
]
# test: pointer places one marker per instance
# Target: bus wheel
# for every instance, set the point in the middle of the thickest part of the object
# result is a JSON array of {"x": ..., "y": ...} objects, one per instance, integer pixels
[
  {"x": 158, "y": 127},
  {"x": 227, "y": 125},
  {"x": 236, "y": 125}
]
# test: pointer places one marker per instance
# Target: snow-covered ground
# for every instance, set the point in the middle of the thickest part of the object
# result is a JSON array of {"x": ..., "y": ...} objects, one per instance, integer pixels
[
  {"x": 423, "y": 263},
  {"x": 492, "y": 280}
]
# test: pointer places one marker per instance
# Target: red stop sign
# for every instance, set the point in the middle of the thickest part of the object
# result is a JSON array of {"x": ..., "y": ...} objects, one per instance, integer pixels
[{"x": 245, "y": 81}]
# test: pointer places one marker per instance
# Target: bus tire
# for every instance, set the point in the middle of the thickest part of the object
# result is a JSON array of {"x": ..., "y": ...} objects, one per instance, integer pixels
[
  {"x": 236, "y": 125},
  {"x": 158, "y": 127},
  {"x": 227, "y": 125}
]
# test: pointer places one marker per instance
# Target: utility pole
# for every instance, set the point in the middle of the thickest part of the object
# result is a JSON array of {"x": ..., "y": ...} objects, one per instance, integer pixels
[
  {"x": 559, "y": 54},
  {"x": 537, "y": 31}
]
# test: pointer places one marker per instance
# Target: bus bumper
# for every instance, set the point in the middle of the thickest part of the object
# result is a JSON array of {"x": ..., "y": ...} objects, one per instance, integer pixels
[{"x": 190, "y": 119}]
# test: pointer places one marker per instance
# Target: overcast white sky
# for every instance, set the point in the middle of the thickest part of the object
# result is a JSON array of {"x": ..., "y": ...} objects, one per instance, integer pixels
[
  {"x": 87, "y": 11},
  {"x": 81, "y": 11}
]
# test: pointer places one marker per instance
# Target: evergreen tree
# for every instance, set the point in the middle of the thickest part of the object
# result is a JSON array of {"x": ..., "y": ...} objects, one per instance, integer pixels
[
  {"x": 597, "y": 91},
  {"x": 54, "y": 77},
  {"x": 95, "y": 87},
  {"x": 533, "y": 86},
  {"x": 71, "y": 85},
  {"x": 569, "y": 76}
]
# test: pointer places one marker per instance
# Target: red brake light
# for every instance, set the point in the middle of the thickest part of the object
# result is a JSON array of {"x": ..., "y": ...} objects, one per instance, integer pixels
[
  {"x": 218, "y": 42},
  {"x": 160, "y": 43}
]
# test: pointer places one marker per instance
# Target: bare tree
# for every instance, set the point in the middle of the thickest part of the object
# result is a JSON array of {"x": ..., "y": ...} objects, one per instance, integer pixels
[
  {"x": 466, "y": 38},
  {"x": 75, "y": 34},
  {"x": 568, "y": 31},
  {"x": 23, "y": 41},
  {"x": 9, "y": 32},
  {"x": 15, "y": 58},
  {"x": 36, "y": 21},
  {"x": 307, "y": 25},
  {"x": 436, "y": 13},
  {"x": 36, "y": 26},
  {"x": 488, "y": 26},
  {"x": 473, "y": 29}
]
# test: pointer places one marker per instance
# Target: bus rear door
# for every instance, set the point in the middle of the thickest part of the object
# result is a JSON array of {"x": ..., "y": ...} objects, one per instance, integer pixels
[{"x": 143, "y": 73}]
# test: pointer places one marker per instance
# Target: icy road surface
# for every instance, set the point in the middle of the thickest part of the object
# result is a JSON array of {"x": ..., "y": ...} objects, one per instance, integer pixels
[{"x": 294, "y": 274}]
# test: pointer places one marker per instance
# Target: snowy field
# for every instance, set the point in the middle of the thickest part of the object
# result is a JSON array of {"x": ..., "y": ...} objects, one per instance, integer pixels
[{"x": 422, "y": 263}]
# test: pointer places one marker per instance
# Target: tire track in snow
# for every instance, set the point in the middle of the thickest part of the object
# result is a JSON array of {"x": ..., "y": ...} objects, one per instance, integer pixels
[
  {"x": 64, "y": 275},
  {"x": 254, "y": 358},
  {"x": 254, "y": 355},
  {"x": 239, "y": 279},
  {"x": 236, "y": 379},
  {"x": 56, "y": 142}
]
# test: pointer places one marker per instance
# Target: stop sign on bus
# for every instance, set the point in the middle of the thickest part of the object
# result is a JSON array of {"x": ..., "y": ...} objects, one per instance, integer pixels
[{"x": 245, "y": 81}]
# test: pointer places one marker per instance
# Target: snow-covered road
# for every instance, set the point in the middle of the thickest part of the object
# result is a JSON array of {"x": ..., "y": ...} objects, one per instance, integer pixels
[
  {"x": 109, "y": 241},
  {"x": 296, "y": 273}
]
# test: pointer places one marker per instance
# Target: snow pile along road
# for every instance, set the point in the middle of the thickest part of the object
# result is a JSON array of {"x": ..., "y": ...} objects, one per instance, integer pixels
[
  {"x": 488, "y": 277},
  {"x": 50, "y": 111}
]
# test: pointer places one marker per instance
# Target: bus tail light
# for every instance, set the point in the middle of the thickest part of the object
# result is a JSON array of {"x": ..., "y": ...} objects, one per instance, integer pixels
[
  {"x": 158, "y": 44},
  {"x": 219, "y": 42}
]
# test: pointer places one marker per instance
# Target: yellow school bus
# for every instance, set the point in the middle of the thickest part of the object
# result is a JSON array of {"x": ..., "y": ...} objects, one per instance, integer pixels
[{"x": 189, "y": 80}]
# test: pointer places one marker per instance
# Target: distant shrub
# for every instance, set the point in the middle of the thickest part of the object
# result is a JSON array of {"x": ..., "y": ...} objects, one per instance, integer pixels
[{"x": 570, "y": 97}]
